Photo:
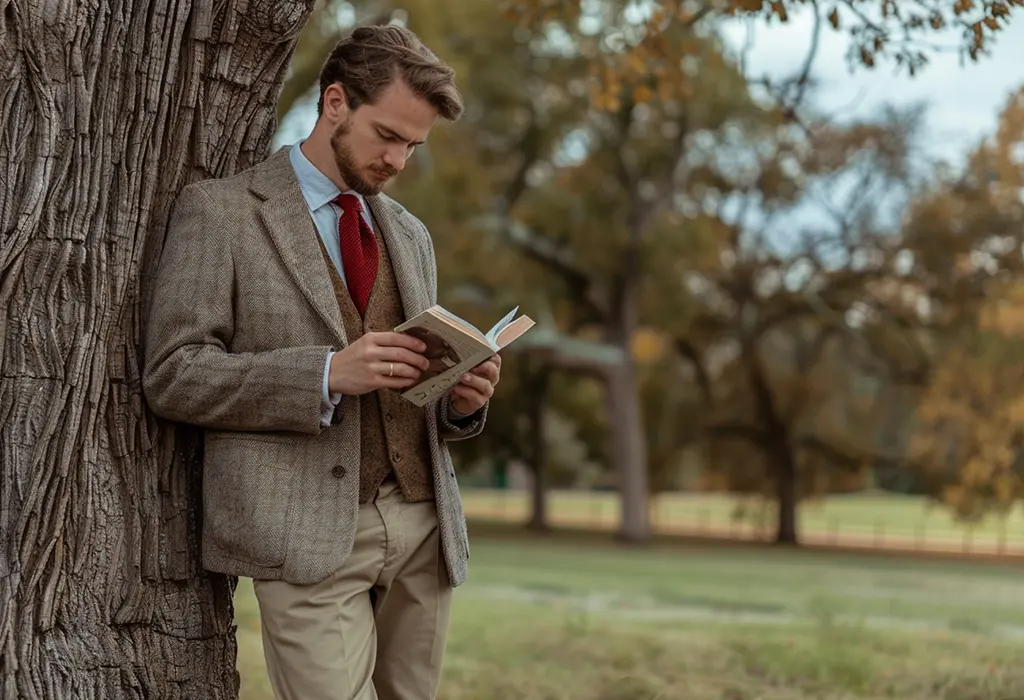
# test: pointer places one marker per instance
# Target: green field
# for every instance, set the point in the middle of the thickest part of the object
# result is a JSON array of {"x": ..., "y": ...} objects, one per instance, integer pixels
[
  {"x": 577, "y": 618},
  {"x": 906, "y": 522}
]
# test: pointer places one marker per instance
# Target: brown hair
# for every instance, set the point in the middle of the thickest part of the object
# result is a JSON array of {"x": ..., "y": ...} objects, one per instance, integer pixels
[{"x": 371, "y": 58}]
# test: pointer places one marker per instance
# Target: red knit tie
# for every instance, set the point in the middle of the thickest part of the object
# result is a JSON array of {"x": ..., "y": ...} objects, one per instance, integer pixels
[{"x": 358, "y": 250}]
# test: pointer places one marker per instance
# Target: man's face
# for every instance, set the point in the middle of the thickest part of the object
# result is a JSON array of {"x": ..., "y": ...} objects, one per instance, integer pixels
[{"x": 372, "y": 143}]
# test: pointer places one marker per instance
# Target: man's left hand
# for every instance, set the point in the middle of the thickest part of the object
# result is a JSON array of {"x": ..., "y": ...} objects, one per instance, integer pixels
[{"x": 476, "y": 388}]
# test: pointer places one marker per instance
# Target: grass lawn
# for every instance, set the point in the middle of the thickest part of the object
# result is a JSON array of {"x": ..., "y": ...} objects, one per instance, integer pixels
[
  {"x": 576, "y": 618},
  {"x": 905, "y": 521}
]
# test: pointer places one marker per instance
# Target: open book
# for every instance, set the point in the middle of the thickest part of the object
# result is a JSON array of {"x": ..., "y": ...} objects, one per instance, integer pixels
[{"x": 455, "y": 346}]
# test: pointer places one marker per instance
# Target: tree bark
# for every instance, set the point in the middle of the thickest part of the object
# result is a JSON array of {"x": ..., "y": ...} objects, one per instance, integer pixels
[{"x": 108, "y": 110}]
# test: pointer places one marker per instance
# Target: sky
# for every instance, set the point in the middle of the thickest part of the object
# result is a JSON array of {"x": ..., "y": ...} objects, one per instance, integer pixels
[{"x": 964, "y": 100}]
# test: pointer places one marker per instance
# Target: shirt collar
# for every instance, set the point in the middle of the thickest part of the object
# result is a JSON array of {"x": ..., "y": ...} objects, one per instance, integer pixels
[{"x": 317, "y": 188}]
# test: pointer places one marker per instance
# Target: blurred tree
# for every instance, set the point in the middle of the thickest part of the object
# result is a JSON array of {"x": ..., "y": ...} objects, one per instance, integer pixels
[
  {"x": 108, "y": 110},
  {"x": 576, "y": 156},
  {"x": 969, "y": 429},
  {"x": 595, "y": 204},
  {"x": 823, "y": 333}
]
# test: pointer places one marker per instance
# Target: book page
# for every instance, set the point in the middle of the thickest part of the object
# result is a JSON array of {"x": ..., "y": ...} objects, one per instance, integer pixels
[
  {"x": 492, "y": 335},
  {"x": 457, "y": 320},
  {"x": 513, "y": 331},
  {"x": 456, "y": 323}
]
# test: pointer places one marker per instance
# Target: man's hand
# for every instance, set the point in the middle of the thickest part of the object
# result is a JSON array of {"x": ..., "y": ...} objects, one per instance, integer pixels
[
  {"x": 476, "y": 388},
  {"x": 377, "y": 361}
]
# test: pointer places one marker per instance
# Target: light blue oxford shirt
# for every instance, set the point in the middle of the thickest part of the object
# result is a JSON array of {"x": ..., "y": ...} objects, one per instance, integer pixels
[{"x": 318, "y": 191}]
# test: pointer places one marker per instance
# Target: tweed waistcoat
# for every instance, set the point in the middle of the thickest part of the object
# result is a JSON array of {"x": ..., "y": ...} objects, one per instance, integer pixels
[{"x": 393, "y": 432}]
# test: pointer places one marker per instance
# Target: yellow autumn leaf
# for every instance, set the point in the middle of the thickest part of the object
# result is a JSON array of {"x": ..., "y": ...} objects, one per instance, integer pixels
[{"x": 642, "y": 94}]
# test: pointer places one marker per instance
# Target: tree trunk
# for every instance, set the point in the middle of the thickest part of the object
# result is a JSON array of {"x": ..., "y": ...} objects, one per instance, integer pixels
[
  {"x": 537, "y": 391},
  {"x": 786, "y": 492},
  {"x": 630, "y": 447},
  {"x": 108, "y": 110},
  {"x": 779, "y": 454}
]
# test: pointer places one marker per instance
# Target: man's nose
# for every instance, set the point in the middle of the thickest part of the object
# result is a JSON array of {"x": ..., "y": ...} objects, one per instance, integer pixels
[{"x": 396, "y": 156}]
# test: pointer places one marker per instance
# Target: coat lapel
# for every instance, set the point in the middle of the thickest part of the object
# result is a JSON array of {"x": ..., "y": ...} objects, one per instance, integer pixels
[
  {"x": 404, "y": 252},
  {"x": 286, "y": 217}
]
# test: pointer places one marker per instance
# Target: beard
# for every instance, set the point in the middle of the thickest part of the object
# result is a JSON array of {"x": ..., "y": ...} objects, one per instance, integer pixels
[{"x": 350, "y": 171}]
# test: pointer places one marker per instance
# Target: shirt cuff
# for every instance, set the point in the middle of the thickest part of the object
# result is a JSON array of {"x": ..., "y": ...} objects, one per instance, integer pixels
[{"x": 329, "y": 401}]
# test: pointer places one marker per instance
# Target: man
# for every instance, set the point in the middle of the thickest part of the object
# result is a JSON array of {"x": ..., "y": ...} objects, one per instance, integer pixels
[{"x": 271, "y": 328}]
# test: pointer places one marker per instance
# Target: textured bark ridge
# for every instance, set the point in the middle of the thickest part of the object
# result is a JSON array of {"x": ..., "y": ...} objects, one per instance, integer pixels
[{"x": 107, "y": 110}]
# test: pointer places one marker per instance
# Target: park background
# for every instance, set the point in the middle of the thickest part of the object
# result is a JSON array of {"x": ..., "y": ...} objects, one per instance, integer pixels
[
  {"x": 765, "y": 440},
  {"x": 776, "y": 250}
]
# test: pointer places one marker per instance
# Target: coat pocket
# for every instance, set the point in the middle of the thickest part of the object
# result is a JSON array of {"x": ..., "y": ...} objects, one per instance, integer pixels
[{"x": 247, "y": 494}]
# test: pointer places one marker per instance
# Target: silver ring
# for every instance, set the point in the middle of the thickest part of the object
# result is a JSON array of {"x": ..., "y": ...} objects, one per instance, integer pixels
[{"x": 391, "y": 372}]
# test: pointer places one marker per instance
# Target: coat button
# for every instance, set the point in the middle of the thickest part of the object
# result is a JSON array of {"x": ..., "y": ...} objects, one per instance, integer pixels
[{"x": 338, "y": 471}]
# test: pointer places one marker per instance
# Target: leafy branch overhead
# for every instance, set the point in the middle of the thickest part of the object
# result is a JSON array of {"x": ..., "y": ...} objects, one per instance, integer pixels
[{"x": 629, "y": 41}]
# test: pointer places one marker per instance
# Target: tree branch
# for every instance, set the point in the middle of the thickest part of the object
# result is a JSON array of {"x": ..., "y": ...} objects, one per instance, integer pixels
[{"x": 688, "y": 350}]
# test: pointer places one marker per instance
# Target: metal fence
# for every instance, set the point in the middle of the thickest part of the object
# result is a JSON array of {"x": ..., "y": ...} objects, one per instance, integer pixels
[{"x": 890, "y": 523}]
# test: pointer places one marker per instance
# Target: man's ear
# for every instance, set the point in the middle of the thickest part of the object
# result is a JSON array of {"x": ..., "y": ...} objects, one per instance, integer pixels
[{"x": 335, "y": 102}]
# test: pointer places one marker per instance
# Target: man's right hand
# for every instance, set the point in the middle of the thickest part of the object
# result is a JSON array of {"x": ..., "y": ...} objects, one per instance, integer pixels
[{"x": 377, "y": 361}]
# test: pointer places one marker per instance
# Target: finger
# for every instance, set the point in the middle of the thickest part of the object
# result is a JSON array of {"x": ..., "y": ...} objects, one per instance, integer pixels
[
  {"x": 390, "y": 370},
  {"x": 479, "y": 384},
  {"x": 488, "y": 370},
  {"x": 396, "y": 355},
  {"x": 390, "y": 339},
  {"x": 398, "y": 383},
  {"x": 469, "y": 394}
]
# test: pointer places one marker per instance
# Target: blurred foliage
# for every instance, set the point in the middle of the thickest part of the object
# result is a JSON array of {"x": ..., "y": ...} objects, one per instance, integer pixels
[
  {"x": 969, "y": 437},
  {"x": 790, "y": 291}
]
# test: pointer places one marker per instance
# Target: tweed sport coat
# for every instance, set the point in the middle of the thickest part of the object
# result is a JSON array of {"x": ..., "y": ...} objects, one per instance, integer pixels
[{"x": 242, "y": 318}]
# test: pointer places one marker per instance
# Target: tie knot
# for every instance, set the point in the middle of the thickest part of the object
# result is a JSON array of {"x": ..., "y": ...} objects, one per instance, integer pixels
[{"x": 349, "y": 202}]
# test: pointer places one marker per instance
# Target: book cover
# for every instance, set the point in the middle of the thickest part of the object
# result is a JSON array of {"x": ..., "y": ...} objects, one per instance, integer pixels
[{"x": 454, "y": 347}]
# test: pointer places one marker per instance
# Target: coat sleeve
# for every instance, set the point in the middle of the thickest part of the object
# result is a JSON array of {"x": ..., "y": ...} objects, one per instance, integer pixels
[{"x": 190, "y": 374}]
